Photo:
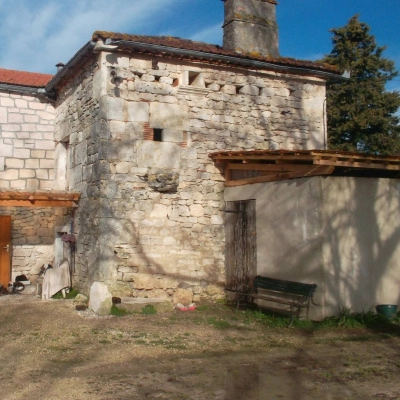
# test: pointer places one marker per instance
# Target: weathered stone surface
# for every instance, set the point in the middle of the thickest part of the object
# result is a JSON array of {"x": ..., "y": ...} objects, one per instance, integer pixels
[
  {"x": 100, "y": 299},
  {"x": 81, "y": 298},
  {"x": 137, "y": 304},
  {"x": 158, "y": 155},
  {"x": 163, "y": 181},
  {"x": 169, "y": 116},
  {"x": 183, "y": 296},
  {"x": 120, "y": 289},
  {"x": 150, "y": 213}
]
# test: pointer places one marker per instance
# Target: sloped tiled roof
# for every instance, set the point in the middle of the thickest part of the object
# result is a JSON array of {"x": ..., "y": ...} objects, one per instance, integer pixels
[
  {"x": 23, "y": 78},
  {"x": 185, "y": 44}
]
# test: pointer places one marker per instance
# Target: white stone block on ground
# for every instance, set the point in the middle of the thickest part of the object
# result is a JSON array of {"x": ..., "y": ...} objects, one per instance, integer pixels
[{"x": 100, "y": 299}]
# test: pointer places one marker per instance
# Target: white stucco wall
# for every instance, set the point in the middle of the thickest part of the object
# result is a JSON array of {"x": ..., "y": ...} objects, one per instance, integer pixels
[{"x": 341, "y": 233}]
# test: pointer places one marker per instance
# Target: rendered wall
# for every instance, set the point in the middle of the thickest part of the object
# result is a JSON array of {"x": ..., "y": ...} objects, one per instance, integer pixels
[{"x": 341, "y": 233}]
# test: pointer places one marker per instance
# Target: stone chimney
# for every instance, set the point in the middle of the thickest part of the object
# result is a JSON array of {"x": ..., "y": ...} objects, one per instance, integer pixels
[{"x": 250, "y": 27}]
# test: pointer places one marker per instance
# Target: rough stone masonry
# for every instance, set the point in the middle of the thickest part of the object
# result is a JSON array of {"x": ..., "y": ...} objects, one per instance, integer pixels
[{"x": 151, "y": 217}]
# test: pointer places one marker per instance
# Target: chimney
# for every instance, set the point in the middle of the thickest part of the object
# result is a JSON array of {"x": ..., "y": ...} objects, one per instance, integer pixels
[
  {"x": 250, "y": 27},
  {"x": 60, "y": 66}
]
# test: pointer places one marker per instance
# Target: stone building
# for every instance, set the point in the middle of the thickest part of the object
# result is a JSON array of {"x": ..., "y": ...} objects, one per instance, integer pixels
[
  {"x": 127, "y": 127},
  {"x": 32, "y": 212}
]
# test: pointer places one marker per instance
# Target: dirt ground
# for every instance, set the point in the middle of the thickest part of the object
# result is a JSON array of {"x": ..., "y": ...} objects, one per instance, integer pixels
[{"x": 51, "y": 351}]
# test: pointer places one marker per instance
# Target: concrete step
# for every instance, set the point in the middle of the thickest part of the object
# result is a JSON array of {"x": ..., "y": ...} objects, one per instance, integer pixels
[{"x": 137, "y": 304}]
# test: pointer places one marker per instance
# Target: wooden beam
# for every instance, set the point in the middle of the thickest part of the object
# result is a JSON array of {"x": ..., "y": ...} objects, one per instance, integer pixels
[
  {"x": 269, "y": 167},
  {"x": 312, "y": 171},
  {"x": 355, "y": 164},
  {"x": 16, "y": 198},
  {"x": 38, "y": 203}
]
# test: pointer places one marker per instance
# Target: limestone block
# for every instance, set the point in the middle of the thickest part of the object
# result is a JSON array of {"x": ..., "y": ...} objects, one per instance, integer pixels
[
  {"x": 122, "y": 167},
  {"x": 147, "y": 282},
  {"x": 214, "y": 87},
  {"x": 184, "y": 211},
  {"x": 112, "y": 108},
  {"x": 229, "y": 89},
  {"x": 250, "y": 89},
  {"x": 172, "y": 135},
  {"x": 214, "y": 290},
  {"x": 197, "y": 210},
  {"x": 5, "y": 149},
  {"x": 183, "y": 296},
  {"x": 6, "y": 102},
  {"x": 45, "y": 115},
  {"x": 166, "y": 80},
  {"x": 216, "y": 220},
  {"x": 139, "y": 64},
  {"x": 169, "y": 241},
  {"x": 159, "y": 211},
  {"x": 100, "y": 299},
  {"x": 120, "y": 289},
  {"x": 268, "y": 92},
  {"x": 137, "y": 304},
  {"x": 138, "y": 112},
  {"x": 169, "y": 116},
  {"x": 3, "y": 115},
  {"x": 158, "y": 154},
  {"x": 15, "y": 118}
]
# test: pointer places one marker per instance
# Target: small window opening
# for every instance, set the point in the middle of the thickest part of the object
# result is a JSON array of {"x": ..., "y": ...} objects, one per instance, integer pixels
[
  {"x": 157, "y": 135},
  {"x": 196, "y": 79}
]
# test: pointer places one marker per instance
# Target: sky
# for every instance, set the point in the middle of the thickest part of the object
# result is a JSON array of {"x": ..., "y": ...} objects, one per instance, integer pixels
[{"x": 37, "y": 34}]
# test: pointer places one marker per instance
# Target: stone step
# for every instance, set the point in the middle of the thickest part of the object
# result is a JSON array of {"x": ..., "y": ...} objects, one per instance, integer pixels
[{"x": 137, "y": 304}]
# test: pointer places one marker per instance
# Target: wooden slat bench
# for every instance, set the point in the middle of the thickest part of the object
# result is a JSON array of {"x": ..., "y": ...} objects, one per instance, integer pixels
[{"x": 296, "y": 295}]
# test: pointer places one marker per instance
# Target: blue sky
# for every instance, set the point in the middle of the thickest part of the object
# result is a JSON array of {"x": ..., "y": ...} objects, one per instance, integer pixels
[{"x": 36, "y": 34}]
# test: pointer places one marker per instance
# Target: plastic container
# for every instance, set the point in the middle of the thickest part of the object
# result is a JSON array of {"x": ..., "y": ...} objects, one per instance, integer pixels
[{"x": 388, "y": 310}]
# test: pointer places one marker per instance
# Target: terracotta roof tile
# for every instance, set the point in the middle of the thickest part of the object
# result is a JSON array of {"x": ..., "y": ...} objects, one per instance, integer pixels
[
  {"x": 23, "y": 78},
  {"x": 186, "y": 44}
]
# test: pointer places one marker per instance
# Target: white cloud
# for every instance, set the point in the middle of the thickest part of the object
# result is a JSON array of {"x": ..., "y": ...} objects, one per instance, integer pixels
[
  {"x": 211, "y": 34},
  {"x": 36, "y": 34}
]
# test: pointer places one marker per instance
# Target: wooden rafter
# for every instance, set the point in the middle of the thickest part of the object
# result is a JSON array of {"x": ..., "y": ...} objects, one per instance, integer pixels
[
  {"x": 255, "y": 166},
  {"x": 19, "y": 198}
]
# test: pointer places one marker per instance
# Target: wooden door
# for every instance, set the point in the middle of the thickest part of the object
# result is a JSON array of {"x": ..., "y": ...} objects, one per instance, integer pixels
[
  {"x": 5, "y": 249},
  {"x": 241, "y": 244}
]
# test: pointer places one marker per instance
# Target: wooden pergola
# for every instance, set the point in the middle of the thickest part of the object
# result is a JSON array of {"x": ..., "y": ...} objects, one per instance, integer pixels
[
  {"x": 20, "y": 198},
  {"x": 257, "y": 166}
]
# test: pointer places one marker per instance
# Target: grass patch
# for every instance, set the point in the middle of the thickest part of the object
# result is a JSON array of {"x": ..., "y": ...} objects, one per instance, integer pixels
[
  {"x": 218, "y": 323},
  {"x": 118, "y": 312},
  {"x": 70, "y": 295},
  {"x": 149, "y": 310}
]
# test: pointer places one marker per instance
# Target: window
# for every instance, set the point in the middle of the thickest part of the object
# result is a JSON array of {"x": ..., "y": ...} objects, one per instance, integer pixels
[{"x": 158, "y": 135}]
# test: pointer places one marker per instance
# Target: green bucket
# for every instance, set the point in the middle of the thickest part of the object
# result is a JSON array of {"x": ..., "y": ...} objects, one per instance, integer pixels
[{"x": 388, "y": 310}]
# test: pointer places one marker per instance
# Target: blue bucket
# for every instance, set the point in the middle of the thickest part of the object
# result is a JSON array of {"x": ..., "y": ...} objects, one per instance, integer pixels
[{"x": 388, "y": 310}]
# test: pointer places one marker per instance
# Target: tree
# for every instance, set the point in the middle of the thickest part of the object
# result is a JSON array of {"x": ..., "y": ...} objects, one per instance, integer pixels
[{"x": 361, "y": 113}]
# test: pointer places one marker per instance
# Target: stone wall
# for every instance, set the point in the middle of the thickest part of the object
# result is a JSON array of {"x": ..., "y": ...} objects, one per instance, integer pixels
[
  {"x": 151, "y": 219},
  {"x": 32, "y": 237},
  {"x": 78, "y": 127},
  {"x": 26, "y": 142}
]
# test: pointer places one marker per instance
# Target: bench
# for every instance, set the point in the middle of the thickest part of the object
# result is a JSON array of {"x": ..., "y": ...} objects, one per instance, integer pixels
[{"x": 295, "y": 295}]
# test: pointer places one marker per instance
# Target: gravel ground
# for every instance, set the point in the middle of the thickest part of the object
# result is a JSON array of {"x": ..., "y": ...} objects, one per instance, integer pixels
[{"x": 52, "y": 351}]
